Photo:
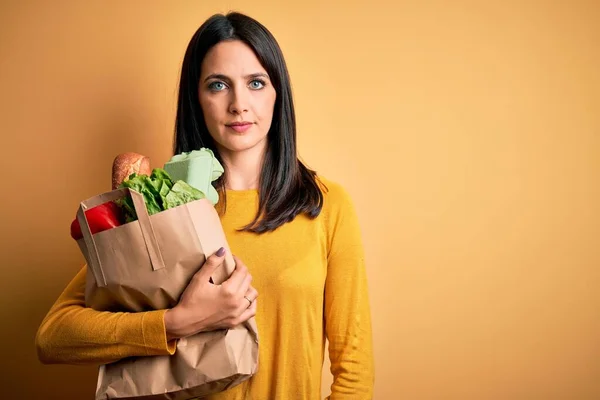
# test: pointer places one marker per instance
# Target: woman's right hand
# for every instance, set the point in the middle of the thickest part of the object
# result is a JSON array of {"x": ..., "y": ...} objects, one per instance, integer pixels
[{"x": 204, "y": 306}]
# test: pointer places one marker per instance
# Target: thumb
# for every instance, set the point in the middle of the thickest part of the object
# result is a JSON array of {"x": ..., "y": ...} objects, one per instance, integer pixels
[{"x": 211, "y": 264}]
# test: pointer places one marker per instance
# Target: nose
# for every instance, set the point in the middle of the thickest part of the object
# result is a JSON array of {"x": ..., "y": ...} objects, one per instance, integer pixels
[{"x": 239, "y": 101}]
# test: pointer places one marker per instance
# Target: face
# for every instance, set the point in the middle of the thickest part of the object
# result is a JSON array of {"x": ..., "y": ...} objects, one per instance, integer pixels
[{"x": 236, "y": 97}]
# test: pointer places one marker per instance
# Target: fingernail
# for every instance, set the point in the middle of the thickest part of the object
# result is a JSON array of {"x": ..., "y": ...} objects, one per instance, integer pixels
[{"x": 221, "y": 252}]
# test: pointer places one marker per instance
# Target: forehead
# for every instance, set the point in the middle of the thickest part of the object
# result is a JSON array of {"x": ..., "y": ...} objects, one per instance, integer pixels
[{"x": 232, "y": 58}]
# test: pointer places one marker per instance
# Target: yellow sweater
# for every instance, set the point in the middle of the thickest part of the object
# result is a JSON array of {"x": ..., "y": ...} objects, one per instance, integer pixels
[{"x": 311, "y": 280}]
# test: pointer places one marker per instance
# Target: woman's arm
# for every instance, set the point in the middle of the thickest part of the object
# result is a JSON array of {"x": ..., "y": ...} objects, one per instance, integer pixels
[
  {"x": 71, "y": 333},
  {"x": 347, "y": 309}
]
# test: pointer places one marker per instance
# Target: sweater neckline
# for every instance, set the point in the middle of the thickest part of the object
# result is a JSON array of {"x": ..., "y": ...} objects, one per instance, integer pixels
[{"x": 241, "y": 193}]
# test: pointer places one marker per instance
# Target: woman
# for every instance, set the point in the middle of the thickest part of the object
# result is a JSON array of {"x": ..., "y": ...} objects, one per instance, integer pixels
[{"x": 297, "y": 232}]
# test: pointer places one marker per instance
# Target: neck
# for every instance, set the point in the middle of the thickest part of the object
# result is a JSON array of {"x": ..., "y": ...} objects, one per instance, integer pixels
[{"x": 242, "y": 168}]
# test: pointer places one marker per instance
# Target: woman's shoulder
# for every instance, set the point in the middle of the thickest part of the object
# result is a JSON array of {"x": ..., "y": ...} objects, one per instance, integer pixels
[
  {"x": 335, "y": 195},
  {"x": 338, "y": 213}
]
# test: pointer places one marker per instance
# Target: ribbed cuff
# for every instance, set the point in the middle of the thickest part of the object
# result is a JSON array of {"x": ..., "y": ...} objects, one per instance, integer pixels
[
  {"x": 145, "y": 331},
  {"x": 155, "y": 333}
]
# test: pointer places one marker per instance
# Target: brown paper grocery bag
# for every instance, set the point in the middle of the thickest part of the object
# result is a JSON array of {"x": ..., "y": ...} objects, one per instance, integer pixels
[{"x": 146, "y": 265}]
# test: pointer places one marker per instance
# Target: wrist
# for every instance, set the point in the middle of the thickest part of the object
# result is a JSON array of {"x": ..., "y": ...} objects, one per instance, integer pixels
[{"x": 173, "y": 326}]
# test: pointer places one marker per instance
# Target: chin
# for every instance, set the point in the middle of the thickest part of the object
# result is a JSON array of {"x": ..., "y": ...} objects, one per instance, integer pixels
[{"x": 241, "y": 143}]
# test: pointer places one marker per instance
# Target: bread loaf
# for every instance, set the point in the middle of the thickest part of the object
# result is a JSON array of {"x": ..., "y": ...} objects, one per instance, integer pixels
[{"x": 126, "y": 164}]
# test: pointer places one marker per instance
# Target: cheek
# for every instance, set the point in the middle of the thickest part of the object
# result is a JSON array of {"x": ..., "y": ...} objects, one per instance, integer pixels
[
  {"x": 210, "y": 110},
  {"x": 267, "y": 105}
]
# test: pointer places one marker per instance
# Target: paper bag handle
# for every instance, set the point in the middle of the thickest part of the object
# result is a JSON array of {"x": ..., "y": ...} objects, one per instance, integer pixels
[{"x": 143, "y": 219}]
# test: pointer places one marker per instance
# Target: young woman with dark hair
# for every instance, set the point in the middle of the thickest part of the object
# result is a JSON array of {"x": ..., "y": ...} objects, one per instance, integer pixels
[{"x": 296, "y": 231}]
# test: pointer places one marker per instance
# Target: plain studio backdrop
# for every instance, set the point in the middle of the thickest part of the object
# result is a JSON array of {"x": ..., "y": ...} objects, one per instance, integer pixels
[{"x": 467, "y": 133}]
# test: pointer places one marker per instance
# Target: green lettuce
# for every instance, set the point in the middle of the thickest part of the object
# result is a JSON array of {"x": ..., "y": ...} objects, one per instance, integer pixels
[{"x": 159, "y": 192}]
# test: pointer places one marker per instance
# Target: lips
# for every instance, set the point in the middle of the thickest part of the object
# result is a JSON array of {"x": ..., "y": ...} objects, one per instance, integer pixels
[
  {"x": 240, "y": 123},
  {"x": 240, "y": 126}
]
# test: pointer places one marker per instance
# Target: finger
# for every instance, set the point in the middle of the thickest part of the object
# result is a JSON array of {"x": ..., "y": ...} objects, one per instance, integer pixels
[
  {"x": 245, "y": 284},
  {"x": 249, "y": 312},
  {"x": 252, "y": 293},
  {"x": 211, "y": 264},
  {"x": 239, "y": 274},
  {"x": 247, "y": 301}
]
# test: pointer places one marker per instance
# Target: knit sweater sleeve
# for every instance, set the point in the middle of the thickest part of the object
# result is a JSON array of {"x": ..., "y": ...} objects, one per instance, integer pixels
[
  {"x": 72, "y": 333},
  {"x": 347, "y": 309}
]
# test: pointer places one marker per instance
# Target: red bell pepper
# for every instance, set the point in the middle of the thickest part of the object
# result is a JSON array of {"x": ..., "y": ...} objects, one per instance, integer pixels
[{"x": 100, "y": 218}]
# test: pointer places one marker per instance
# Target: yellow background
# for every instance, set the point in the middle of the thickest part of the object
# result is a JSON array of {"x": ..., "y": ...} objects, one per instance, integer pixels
[{"x": 468, "y": 134}]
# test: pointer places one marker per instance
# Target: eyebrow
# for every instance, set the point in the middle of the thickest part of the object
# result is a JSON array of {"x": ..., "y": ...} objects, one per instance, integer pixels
[{"x": 226, "y": 78}]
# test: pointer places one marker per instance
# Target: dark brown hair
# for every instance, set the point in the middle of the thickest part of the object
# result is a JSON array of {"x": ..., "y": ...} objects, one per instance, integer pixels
[{"x": 287, "y": 187}]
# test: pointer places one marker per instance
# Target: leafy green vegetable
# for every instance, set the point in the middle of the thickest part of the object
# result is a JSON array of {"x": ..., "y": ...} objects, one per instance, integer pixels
[
  {"x": 198, "y": 168},
  {"x": 159, "y": 192},
  {"x": 182, "y": 193}
]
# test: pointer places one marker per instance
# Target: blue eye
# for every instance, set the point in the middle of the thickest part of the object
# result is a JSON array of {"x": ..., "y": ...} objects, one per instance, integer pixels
[
  {"x": 216, "y": 86},
  {"x": 257, "y": 84}
]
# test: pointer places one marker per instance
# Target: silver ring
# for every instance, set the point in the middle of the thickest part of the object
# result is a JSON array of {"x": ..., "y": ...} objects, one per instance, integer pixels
[{"x": 249, "y": 301}]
